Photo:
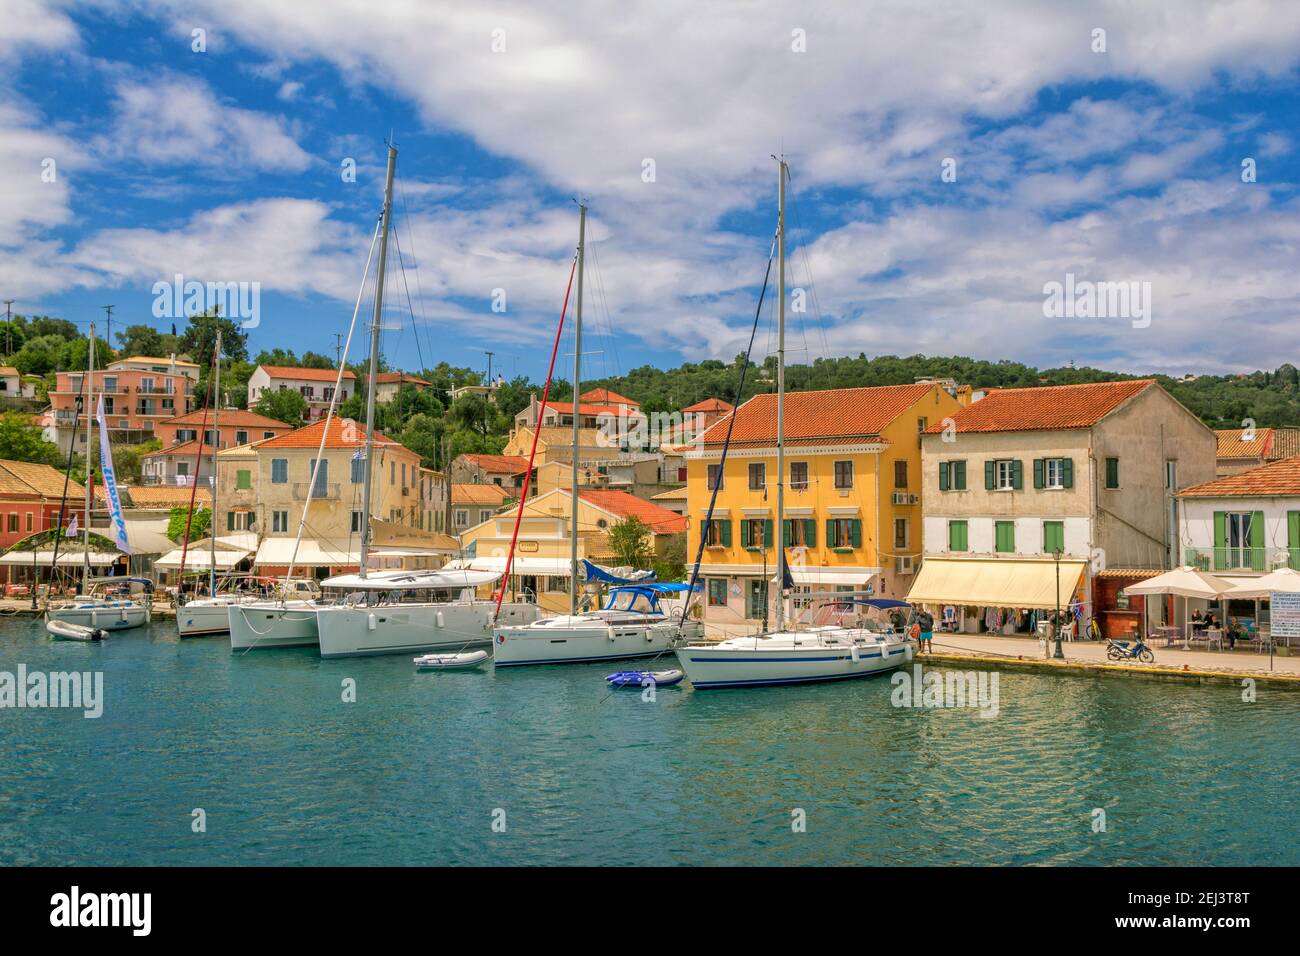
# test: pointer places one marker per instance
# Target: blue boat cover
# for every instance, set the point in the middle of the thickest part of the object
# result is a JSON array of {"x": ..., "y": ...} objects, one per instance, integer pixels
[{"x": 596, "y": 573}]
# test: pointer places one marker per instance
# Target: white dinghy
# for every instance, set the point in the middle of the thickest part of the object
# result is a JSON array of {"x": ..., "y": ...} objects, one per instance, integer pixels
[
  {"x": 451, "y": 662},
  {"x": 67, "y": 631}
]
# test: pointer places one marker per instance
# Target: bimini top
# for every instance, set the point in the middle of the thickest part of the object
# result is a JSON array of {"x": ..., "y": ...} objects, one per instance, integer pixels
[
  {"x": 882, "y": 604},
  {"x": 411, "y": 580}
]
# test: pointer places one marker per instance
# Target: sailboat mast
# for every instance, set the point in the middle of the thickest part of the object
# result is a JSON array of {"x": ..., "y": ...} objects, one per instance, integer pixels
[
  {"x": 374, "y": 361},
  {"x": 90, "y": 443},
  {"x": 779, "y": 532},
  {"x": 577, "y": 417},
  {"x": 216, "y": 444}
]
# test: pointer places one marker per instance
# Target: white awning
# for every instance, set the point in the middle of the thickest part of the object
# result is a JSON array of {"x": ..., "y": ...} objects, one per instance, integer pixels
[
  {"x": 66, "y": 558},
  {"x": 311, "y": 553},
  {"x": 995, "y": 583},
  {"x": 198, "y": 558},
  {"x": 522, "y": 564},
  {"x": 832, "y": 576}
]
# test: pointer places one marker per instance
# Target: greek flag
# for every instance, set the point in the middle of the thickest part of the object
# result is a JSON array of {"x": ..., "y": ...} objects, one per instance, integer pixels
[{"x": 110, "y": 482}]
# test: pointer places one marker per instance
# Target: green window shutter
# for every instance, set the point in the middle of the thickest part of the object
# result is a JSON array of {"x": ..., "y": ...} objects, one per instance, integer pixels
[
  {"x": 830, "y": 532},
  {"x": 1017, "y": 475},
  {"x": 767, "y": 532},
  {"x": 960, "y": 476},
  {"x": 1053, "y": 536},
  {"x": 1039, "y": 466},
  {"x": 1067, "y": 472},
  {"x": 1112, "y": 472},
  {"x": 1293, "y": 540},
  {"x": 943, "y": 476},
  {"x": 988, "y": 475},
  {"x": 243, "y": 479},
  {"x": 1257, "y": 561},
  {"x": 855, "y": 533},
  {"x": 1220, "y": 540},
  {"x": 786, "y": 532},
  {"x": 230, "y": 521},
  {"x": 744, "y": 533},
  {"x": 1005, "y": 536},
  {"x": 810, "y": 532},
  {"x": 726, "y": 532},
  {"x": 957, "y": 540}
]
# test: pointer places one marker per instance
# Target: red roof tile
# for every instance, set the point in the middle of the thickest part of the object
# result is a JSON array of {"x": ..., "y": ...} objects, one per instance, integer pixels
[
  {"x": 657, "y": 519},
  {"x": 710, "y": 405},
  {"x": 305, "y": 374},
  {"x": 343, "y": 433},
  {"x": 471, "y": 494},
  {"x": 566, "y": 408},
  {"x": 603, "y": 396},
  {"x": 388, "y": 378},
  {"x": 830, "y": 416},
  {"x": 1279, "y": 479},
  {"x": 226, "y": 416},
  {"x": 1044, "y": 408},
  {"x": 499, "y": 464}
]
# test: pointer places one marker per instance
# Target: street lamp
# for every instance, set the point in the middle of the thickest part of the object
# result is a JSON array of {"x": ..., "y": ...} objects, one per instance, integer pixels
[{"x": 1059, "y": 654}]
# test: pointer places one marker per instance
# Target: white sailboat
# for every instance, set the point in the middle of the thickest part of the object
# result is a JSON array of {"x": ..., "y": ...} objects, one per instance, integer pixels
[
  {"x": 105, "y": 603},
  {"x": 632, "y": 624},
  {"x": 790, "y": 655}
]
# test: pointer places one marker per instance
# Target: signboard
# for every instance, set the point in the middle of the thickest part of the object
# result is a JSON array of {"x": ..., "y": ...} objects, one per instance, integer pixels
[{"x": 1284, "y": 613}]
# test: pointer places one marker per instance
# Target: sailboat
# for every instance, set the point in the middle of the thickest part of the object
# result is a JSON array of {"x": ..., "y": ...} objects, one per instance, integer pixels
[
  {"x": 104, "y": 603},
  {"x": 632, "y": 624},
  {"x": 788, "y": 655}
]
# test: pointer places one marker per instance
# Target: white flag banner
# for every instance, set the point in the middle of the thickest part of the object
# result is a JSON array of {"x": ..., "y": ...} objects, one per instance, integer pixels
[
  {"x": 72, "y": 528},
  {"x": 110, "y": 483}
]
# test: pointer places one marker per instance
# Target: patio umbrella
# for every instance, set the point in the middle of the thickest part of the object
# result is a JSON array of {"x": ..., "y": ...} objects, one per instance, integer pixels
[
  {"x": 1280, "y": 579},
  {"x": 1185, "y": 582}
]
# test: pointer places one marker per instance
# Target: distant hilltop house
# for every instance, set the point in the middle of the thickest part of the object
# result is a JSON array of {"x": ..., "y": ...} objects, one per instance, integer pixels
[
  {"x": 388, "y": 384},
  {"x": 488, "y": 392},
  {"x": 1240, "y": 449},
  {"x": 316, "y": 385},
  {"x": 138, "y": 392},
  {"x": 598, "y": 408},
  {"x": 183, "y": 457},
  {"x": 505, "y": 471},
  {"x": 14, "y": 385}
]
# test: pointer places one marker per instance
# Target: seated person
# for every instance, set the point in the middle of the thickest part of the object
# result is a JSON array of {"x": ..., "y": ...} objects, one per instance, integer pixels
[{"x": 1234, "y": 633}]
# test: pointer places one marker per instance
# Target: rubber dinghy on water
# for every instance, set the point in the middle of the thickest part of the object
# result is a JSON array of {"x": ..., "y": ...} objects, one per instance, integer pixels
[
  {"x": 67, "y": 631},
  {"x": 451, "y": 662},
  {"x": 639, "y": 679}
]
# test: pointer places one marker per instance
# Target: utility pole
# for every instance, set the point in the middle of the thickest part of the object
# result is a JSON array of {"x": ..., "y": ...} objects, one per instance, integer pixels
[
  {"x": 488, "y": 397},
  {"x": 9, "y": 338},
  {"x": 338, "y": 347},
  {"x": 109, "y": 336}
]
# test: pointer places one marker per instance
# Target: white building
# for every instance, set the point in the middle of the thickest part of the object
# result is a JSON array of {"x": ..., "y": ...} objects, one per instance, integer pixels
[
  {"x": 1244, "y": 524},
  {"x": 316, "y": 385}
]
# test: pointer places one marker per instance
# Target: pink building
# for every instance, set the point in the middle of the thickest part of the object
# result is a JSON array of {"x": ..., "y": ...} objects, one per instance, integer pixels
[{"x": 138, "y": 392}]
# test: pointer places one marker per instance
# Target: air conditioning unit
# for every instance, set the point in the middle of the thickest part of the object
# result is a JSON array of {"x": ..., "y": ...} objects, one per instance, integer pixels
[
  {"x": 913, "y": 499},
  {"x": 900, "y": 498},
  {"x": 903, "y": 564}
]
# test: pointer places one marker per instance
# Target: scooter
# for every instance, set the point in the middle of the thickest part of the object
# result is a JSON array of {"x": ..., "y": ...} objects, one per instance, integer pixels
[{"x": 1122, "y": 651}]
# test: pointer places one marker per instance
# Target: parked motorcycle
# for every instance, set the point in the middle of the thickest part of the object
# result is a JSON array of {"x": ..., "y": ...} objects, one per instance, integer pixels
[{"x": 1124, "y": 651}]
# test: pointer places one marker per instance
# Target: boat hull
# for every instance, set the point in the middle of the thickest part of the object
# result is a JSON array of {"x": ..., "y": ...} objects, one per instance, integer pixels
[
  {"x": 358, "y": 630},
  {"x": 267, "y": 626},
  {"x": 710, "y": 668},
  {"x": 112, "y": 616},
  {"x": 201, "y": 619},
  {"x": 521, "y": 646}
]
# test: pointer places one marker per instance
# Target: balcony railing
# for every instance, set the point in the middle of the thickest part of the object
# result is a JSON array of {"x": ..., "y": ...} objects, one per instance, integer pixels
[
  {"x": 1242, "y": 559},
  {"x": 325, "y": 491}
]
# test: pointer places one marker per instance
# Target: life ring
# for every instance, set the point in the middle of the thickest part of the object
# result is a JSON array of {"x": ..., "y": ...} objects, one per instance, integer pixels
[{"x": 501, "y": 638}]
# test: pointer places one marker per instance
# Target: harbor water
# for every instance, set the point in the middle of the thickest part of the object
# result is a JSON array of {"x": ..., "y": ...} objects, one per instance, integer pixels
[{"x": 204, "y": 757}]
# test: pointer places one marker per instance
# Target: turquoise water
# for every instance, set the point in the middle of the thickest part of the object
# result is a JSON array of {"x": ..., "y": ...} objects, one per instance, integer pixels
[{"x": 412, "y": 772}]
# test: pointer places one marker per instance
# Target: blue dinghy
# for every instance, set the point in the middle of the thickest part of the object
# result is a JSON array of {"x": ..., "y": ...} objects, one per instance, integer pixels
[{"x": 638, "y": 679}]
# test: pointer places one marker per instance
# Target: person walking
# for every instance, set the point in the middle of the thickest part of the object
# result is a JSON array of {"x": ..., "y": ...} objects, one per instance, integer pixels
[{"x": 925, "y": 622}]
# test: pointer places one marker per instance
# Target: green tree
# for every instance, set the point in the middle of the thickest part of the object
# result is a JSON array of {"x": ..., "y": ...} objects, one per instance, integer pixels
[
  {"x": 198, "y": 527},
  {"x": 13, "y": 334},
  {"x": 200, "y": 337},
  {"x": 284, "y": 406},
  {"x": 41, "y": 355},
  {"x": 671, "y": 565},
  {"x": 140, "y": 340},
  {"x": 630, "y": 542},
  {"x": 20, "y": 440},
  {"x": 77, "y": 351}
]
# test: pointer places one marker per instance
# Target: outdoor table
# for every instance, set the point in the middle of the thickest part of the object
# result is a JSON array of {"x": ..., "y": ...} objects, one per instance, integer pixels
[{"x": 1169, "y": 633}]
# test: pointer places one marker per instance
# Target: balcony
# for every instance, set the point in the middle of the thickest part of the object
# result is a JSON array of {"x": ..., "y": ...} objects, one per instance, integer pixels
[
  {"x": 325, "y": 491},
  {"x": 1241, "y": 559}
]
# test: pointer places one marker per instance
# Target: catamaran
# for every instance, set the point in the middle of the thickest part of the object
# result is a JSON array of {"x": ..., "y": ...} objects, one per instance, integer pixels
[
  {"x": 632, "y": 623},
  {"x": 787, "y": 655}
]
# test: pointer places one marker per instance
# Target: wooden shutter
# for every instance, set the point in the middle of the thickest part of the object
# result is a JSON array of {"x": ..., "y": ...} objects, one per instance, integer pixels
[
  {"x": 810, "y": 532},
  {"x": 1257, "y": 562},
  {"x": 786, "y": 532},
  {"x": 767, "y": 532},
  {"x": 1017, "y": 475},
  {"x": 1220, "y": 540},
  {"x": 1040, "y": 465},
  {"x": 988, "y": 475},
  {"x": 1292, "y": 539},
  {"x": 1067, "y": 472},
  {"x": 855, "y": 533},
  {"x": 960, "y": 483},
  {"x": 726, "y": 532},
  {"x": 943, "y": 475}
]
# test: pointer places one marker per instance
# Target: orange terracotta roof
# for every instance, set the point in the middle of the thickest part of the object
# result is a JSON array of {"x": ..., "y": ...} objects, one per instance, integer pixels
[
  {"x": 567, "y": 408},
  {"x": 832, "y": 416},
  {"x": 388, "y": 378},
  {"x": 1044, "y": 408},
  {"x": 159, "y": 496},
  {"x": 1277, "y": 479},
  {"x": 190, "y": 447},
  {"x": 305, "y": 374},
  {"x": 657, "y": 519},
  {"x": 226, "y": 416},
  {"x": 710, "y": 405},
  {"x": 499, "y": 464},
  {"x": 343, "y": 433},
  {"x": 603, "y": 396},
  {"x": 1268, "y": 444},
  {"x": 26, "y": 478},
  {"x": 468, "y": 494}
]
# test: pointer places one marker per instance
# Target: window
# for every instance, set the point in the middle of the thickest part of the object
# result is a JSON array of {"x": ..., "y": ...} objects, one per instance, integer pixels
[
  {"x": 241, "y": 438},
  {"x": 757, "y": 476},
  {"x": 185, "y": 434},
  {"x": 356, "y": 522},
  {"x": 320, "y": 473},
  {"x": 1004, "y": 536},
  {"x": 1053, "y": 473},
  {"x": 13, "y": 522},
  {"x": 1053, "y": 537},
  {"x": 238, "y": 520},
  {"x": 483, "y": 516},
  {"x": 403, "y": 474},
  {"x": 1112, "y": 472},
  {"x": 392, "y": 472},
  {"x": 800, "y": 533},
  {"x": 952, "y": 475},
  {"x": 29, "y": 521},
  {"x": 146, "y": 385},
  {"x": 462, "y": 518},
  {"x": 182, "y": 468},
  {"x": 358, "y": 470},
  {"x": 1239, "y": 540},
  {"x": 843, "y": 533},
  {"x": 921, "y": 424},
  {"x": 799, "y": 475},
  {"x": 1003, "y": 475},
  {"x": 958, "y": 539},
  {"x": 900, "y": 532},
  {"x": 280, "y": 522},
  {"x": 268, "y": 434},
  {"x": 757, "y": 602},
  {"x": 243, "y": 479},
  {"x": 108, "y": 405},
  {"x": 900, "y": 474},
  {"x": 279, "y": 470},
  {"x": 844, "y": 474},
  {"x": 756, "y": 533},
  {"x": 715, "y": 476},
  {"x": 557, "y": 584},
  {"x": 717, "y": 592},
  {"x": 719, "y": 533},
  {"x": 209, "y": 437}
]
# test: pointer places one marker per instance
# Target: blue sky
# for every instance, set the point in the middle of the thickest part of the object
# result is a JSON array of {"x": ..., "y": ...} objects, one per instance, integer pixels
[{"x": 1122, "y": 165}]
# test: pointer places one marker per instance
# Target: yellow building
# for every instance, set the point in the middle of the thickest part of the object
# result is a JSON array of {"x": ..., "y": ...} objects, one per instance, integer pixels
[
  {"x": 852, "y": 495},
  {"x": 556, "y": 444}
]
